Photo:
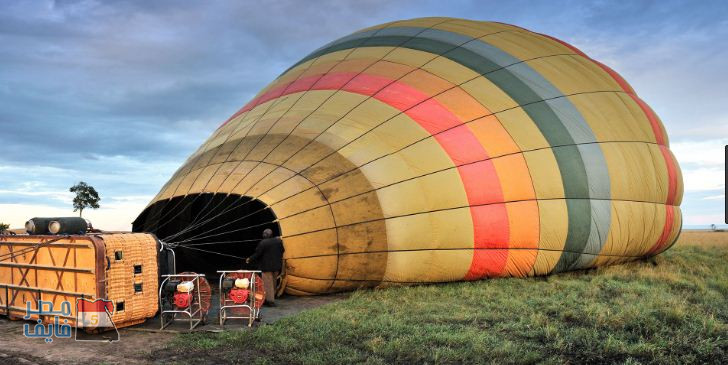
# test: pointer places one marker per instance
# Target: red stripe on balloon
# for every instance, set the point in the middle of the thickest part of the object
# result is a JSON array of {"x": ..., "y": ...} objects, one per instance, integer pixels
[
  {"x": 671, "y": 172},
  {"x": 334, "y": 81},
  {"x": 666, "y": 230},
  {"x": 462, "y": 145},
  {"x": 671, "y": 175},
  {"x": 616, "y": 76},
  {"x": 365, "y": 84},
  {"x": 567, "y": 45},
  {"x": 652, "y": 118},
  {"x": 399, "y": 98},
  {"x": 490, "y": 224},
  {"x": 432, "y": 116},
  {"x": 488, "y": 189},
  {"x": 480, "y": 180}
]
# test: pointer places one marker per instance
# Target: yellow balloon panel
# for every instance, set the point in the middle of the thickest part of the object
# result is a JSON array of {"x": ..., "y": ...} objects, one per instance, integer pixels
[
  {"x": 613, "y": 118},
  {"x": 429, "y": 150},
  {"x": 525, "y": 45}
]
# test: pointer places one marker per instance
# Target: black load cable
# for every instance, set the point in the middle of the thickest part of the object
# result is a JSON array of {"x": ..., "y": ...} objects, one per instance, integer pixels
[
  {"x": 227, "y": 224},
  {"x": 217, "y": 242},
  {"x": 212, "y": 252},
  {"x": 226, "y": 232}
]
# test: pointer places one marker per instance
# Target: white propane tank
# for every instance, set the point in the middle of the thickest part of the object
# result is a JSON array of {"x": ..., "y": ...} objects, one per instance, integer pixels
[
  {"x": 185, "y": 287},
  {"x": 30, "y": 226},
  {"x": 242, "y": 283},
  {"x": 54, "y": 227}
]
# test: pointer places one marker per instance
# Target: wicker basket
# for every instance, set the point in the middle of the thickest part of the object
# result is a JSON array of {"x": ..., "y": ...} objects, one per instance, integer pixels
[
  {"x": 121, "y": 267},
  {"x": 132, "y": 277}
]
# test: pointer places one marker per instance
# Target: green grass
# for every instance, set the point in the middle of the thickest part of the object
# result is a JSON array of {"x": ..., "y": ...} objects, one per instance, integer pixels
[{"x": 672, "y": 312}]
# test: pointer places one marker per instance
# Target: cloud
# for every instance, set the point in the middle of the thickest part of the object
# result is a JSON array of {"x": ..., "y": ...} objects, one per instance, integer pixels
[
  {"x": 118, "y": 94},
  {"x": 61, "y": 196},
  {"x": 703, "y": 168},
  {"x": 703, "y": 179},
  {"x": 707, "y": 152},
  {"x": 114, "y": 217},
  {"x": 703, "y": 219}
]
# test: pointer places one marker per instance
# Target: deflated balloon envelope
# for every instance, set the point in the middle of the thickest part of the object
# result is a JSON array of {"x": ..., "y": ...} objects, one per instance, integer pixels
[{"x": 429, "y": 150}]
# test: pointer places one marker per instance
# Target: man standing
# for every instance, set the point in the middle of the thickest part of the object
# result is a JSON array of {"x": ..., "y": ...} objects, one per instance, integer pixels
[{"x": 269, "y": 256}]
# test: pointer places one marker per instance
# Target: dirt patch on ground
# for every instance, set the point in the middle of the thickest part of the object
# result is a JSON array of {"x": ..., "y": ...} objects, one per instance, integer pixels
[
  {"x": 141, "y": 344},
  {"x": 133, "y": 348}
]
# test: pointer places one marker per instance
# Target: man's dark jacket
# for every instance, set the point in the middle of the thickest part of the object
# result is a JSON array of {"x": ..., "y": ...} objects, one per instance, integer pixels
[{"x": 269, "y": 254}]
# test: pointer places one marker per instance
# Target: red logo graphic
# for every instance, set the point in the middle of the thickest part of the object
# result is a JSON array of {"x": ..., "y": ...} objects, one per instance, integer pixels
[{"x": 93, "y": 320}]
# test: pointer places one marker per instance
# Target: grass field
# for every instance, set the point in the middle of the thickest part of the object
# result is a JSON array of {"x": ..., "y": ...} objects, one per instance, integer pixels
[{"x": 672, "y": 309}]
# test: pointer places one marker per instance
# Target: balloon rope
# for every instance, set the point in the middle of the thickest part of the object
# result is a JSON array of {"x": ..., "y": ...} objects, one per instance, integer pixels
[
  {"x": 217, "y": 227},
  {"x": 222, "y": 233},
  {"x": 218, "y": 242},
  {"x": 194, "y": 225},
  {"x": 212, "y": 252}
]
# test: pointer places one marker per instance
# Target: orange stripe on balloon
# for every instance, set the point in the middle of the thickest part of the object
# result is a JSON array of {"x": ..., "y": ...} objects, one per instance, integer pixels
[
  {"x": 524, "y": 237},
  {"x": 480, "y": 180}
]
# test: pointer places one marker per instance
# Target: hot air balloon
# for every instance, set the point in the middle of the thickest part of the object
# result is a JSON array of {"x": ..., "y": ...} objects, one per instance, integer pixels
[{"x": 429, "y": 150}]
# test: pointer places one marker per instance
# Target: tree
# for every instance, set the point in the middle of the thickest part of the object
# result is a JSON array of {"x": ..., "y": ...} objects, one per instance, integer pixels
[
  {"x": 4, "y": 227},
  {"x": 86, "y": 197}
]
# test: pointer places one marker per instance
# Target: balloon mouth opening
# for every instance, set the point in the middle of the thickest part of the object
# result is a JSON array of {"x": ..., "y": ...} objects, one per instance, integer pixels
[{"x": 211, "y": 231}]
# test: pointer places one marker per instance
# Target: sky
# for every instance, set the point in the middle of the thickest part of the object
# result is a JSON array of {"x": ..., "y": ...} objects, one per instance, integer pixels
[{"x": 119, "y": 93}]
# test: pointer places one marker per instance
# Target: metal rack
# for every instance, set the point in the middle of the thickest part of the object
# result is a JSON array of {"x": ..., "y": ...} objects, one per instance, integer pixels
[
  {"x": 194, "y": 313},
  {"x": 225, "y": 303}
]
